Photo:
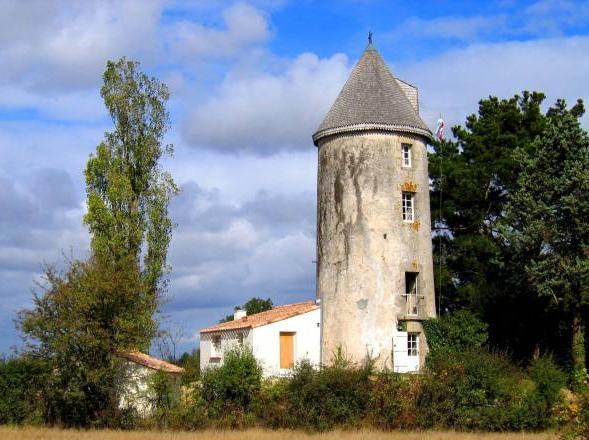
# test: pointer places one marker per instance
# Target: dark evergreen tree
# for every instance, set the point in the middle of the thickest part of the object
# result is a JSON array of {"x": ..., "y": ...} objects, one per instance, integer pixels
[
  {"x": 548, "y": 222},
  {"x": 472, "y": 177}
]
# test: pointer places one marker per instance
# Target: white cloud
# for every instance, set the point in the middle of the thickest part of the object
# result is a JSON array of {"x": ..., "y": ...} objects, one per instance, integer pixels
[
  {"x": 66, "y": 46},
  {"x": 553, "y": 17},
  {"x": 244, "y": 26},
  {"x": 267, "y": 113},
  {"x": 455, "y": 81}
]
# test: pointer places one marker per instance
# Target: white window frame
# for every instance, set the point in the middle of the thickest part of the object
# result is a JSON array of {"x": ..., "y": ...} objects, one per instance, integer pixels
[
  {"x": 412, "y": 344},
  {"x": 408, "y": 206},
  {"x": 406, "y": 153},
  {"x": 216, "y": 347}
]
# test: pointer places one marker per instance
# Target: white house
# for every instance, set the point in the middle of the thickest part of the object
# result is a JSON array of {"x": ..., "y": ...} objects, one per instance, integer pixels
[
  {"x": 135, "y": 378},
  {"x": 279, "y": 338}
]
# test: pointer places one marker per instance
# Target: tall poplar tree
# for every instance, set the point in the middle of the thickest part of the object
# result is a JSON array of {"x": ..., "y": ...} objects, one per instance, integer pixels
[
  {"x": 128, "y": 191},
  {"x": 99, "y": 307}
]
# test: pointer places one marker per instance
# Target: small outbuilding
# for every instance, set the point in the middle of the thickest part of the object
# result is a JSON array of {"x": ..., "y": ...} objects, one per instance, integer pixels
[
  {"x": 279, "y": 338},
  {"x": 137, "y": 374}
]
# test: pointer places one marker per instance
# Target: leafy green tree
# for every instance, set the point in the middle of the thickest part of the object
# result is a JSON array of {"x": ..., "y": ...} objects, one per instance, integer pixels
[
  {"x": 191, "y": 364},
  {"x": 471, "y": 178},
  {"x": 78, "y": 323},
  {"x": 548, "y": 220},
  {"x": 96, "y": 308},
  {"x": 128, "y": 191},
  {"x": 252, "y": 306}
]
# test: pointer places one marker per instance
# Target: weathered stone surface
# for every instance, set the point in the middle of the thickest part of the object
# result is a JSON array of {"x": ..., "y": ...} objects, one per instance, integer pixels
[{"x": 364, "y": 247}]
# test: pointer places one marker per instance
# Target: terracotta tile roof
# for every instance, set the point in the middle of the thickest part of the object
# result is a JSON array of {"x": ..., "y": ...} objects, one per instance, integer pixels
[
  {"x": 151, "y": 362},
  {"x": 278, "y": 313}
]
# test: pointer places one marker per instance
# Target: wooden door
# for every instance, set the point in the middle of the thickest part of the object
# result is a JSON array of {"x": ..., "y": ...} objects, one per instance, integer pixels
[{"x": 287, "y": 349}]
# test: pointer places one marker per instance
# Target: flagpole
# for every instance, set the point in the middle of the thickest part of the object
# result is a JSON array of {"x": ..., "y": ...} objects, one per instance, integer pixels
[{"x": 440, "y": 134}]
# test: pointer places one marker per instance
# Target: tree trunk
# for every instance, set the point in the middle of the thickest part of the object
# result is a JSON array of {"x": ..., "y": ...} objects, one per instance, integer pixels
[{"x": 578, "y": 350}]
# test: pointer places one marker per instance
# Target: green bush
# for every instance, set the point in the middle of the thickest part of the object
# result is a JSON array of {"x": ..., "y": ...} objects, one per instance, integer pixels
[
  {"x": 272, "y": 408},
  {"x": 549, "y": 380},
  {"x": 21, "y": 389},
  {"x": 455, "y": 332},
  {"x": 485, "y": 391},
  {"x": 392, "y": 401},
  {"x": 329, "y": 397},
  {"x": 230, "y": 390}
]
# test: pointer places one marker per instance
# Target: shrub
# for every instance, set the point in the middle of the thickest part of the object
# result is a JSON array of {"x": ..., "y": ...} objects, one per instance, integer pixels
[
  {"x": 392, "y": 401},
  {"x": 549, "y": 380},
  {"x": 164, "y": 396},
  {"x": 272, "y": 408},
  {"x": 329, "y": 397},
  {"x": 455, "y": 332},
  {"x": 578, "y": 425},
  {"x": 21, "y": 386},
  {"x": 230, "y": 389},
  {"x": 473, "y": 390}
]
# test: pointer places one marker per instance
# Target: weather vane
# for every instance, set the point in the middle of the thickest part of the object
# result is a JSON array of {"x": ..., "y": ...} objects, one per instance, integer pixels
[{"x": 370, "y": 37}]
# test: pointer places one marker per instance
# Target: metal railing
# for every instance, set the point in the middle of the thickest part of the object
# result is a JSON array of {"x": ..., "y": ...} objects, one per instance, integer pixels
[{"x": 412, "y": 304}]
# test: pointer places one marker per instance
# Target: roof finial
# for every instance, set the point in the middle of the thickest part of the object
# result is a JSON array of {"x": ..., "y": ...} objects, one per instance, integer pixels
[{"x": 370, "y": 38}]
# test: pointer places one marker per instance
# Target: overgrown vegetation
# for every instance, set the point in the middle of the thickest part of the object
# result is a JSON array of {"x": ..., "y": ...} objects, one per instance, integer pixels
[
  {"x": 473, "y": 390},
  {"x": 88, "y": 313}
]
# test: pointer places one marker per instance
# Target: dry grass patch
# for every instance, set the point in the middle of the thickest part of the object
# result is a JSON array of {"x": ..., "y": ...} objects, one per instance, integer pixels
[{"x": 12, "y": 433}]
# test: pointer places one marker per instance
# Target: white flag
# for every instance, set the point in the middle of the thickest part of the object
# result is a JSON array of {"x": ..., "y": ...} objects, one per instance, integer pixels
[{"x": 440, "y": 130}]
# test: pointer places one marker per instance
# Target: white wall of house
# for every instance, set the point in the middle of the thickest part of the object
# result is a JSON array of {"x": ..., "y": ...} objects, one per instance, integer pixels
[
  {"x": 307, "y": 333},
  {"x": 265, "y": 342},
  {"x": 134, "y": 389},
  {"x": 212, "y": 357}
]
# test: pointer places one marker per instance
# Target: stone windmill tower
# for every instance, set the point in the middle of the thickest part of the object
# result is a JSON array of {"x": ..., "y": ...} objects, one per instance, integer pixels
[{"x": 374, "y": 252}]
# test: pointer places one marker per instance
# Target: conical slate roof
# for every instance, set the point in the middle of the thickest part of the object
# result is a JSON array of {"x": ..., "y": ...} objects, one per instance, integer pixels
[{"x": 371, "y": 99}]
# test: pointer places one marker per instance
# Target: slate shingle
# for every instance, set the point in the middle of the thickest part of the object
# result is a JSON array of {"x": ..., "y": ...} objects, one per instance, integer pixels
[{"x": 371, "y": 99}]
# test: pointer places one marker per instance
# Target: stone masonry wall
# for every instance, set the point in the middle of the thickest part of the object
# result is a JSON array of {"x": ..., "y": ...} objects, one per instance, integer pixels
[{"x": 363, "y": 245}]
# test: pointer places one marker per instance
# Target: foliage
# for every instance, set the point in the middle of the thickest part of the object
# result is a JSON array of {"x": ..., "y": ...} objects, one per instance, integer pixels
[
  {"x": 455, "y": 332},
  {"x": 548, "y": 221},
  {"x": 484, "y": 391},
  {"x": 233, "y": 386},
  {"x": 163, "y": 389},
  {"x": 328, "y": 397},
  {"x": 21, "y": 378},
  {"x": 392, "y": 401},
  {"x": 251, "y": 307},
  {"x": 578, "y": 423},
  {"x": 473, "y": 177},
  {"x": 77, "y": 325},
  {"x": 472, "y": 390},
  {"x": 550, "y": 380},
  {"x": 84, "y": 316},
  {"x": 128, "y": 192},
  {"x": 191, "y": 364}
]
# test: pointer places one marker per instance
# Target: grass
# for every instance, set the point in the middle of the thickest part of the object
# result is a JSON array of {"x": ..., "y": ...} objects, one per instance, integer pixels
[{"x": 13, "y": 433}]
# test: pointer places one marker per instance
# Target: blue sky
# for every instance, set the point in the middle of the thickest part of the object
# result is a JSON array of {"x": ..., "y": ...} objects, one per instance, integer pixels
[{"x": 250, "y": 82}]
